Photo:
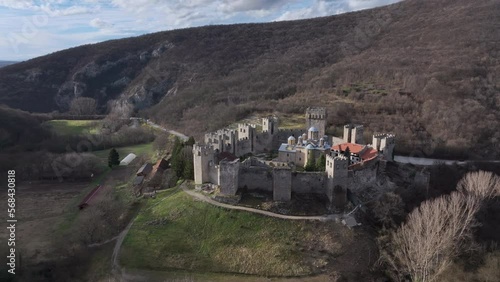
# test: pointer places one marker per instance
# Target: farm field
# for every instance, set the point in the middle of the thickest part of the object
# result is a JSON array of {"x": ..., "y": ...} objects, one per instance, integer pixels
[
  {"x": 41, "y": 208},
  {"x": 74, "y": 127}
]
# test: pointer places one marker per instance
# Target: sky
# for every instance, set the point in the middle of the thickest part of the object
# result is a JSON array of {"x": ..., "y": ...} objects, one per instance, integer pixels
[{"x": 31, "y": 28}]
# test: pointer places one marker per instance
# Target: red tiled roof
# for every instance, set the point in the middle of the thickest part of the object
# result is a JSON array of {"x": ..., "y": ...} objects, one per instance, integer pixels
[{"x": 368, "y": 154}]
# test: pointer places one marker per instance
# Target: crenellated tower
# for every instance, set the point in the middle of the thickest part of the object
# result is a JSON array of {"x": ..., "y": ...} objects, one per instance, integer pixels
[
  {"x": 316, "y": 117},
  {"x": 353, "y": 133},
  {"x": 337, "y": 180},
  {"x": 203, "y": 161},
  {"x": 384, "y": 143},
  {"x": 269, "y": 125}
]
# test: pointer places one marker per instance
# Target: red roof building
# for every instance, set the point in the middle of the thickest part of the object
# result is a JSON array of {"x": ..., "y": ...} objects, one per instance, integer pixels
[{"x": 359, "y": 153}]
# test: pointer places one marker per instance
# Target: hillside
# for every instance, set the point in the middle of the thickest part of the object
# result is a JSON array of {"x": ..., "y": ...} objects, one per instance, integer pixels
[{"x": 426, "y": 70}]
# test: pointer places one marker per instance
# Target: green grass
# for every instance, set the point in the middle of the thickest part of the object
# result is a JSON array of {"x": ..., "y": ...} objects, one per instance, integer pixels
[
  {"x": 74, "y": 127},
  {"x": 175, "y": 232},
  {"x": 141, "y": 149},
  {"x": 296, "y": 121}
]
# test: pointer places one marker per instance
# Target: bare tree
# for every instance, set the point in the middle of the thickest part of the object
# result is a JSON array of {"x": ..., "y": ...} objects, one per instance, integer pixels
[
  {"x": 83, "y": 106},
  {"x": 432, "y": 236},
  {"x": 389, "y": 210},
  {"x": 483, "y": 184},
  {"x": 439, "y": 229},
  {"x": 163, "y": 144}
]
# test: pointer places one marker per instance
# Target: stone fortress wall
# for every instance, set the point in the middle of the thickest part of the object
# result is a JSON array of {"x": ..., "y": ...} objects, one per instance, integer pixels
[{"x": 253, "y": 174}]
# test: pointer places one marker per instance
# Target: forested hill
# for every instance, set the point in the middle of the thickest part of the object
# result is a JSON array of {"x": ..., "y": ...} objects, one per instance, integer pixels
[{"x": 427, "y": 70}]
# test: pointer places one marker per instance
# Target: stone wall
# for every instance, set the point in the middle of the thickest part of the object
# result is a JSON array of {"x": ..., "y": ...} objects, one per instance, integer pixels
[
  {"x": 263, "y": 142},
  {"x": 229, "y": 176},
  {"x": 364, "y": 177},
  {"x": 213, "y": 173},
  {"x": 282, "y": 184},
  {"x": 243, "y": 147},
  {"x": 256, "y": 178},
  {"x": 309, "y": 182}
]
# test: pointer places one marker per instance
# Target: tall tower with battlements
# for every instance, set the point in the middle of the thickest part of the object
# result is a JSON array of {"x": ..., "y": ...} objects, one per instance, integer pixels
[
  {"x": 316, "y": 117},
  {"x": 337, "y": 180},
  {"x": 203, "y": 161},
  {"x": 353, "y": 133},
  {"x": 385, "y": 143},
  {"x": 269, "y": 125}
]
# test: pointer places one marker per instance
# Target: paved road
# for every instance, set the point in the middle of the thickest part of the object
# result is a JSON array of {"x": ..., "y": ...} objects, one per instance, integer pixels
[
  {"x": 176, "y": 133},
  {"x": 266, "y": 213},
  {"x": 429, "y": 161}
]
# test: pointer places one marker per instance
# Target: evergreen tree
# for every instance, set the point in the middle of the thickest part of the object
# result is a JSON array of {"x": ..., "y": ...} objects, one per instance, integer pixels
[
  {"x": 310, "y": 165},
  {"x": 188, "y": 169},
  {"x": 347, "y": 154},
  {"x": 113, "y": 158},
  {"x": 321, "y": 163},
  {"x": 177, "y": 158},
  {"x": 177, "y": 146},
  {"x": 190, "y": 141}
]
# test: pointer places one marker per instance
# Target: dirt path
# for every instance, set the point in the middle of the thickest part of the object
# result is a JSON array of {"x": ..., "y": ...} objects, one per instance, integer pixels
[
  {"x": 120, "y": 273},
  {"x": 266, "y": 213}
]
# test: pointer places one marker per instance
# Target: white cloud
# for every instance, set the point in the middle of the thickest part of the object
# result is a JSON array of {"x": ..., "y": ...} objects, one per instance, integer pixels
[
  {"x": 70, "y": 23},
  {"x": 73, "y": 10},
  {"x": 230, "y": 6},
  {"x": 100, "y": 24},
  {"x": 17, "y": 4},
  {"x": 366, "y": 4},
  {"x": 319, "y": 8}
]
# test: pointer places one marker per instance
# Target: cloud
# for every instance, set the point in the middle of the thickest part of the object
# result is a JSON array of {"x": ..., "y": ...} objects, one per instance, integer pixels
[
  {"x": 355, "y": 5},
  {"x": 75, "y": 23},
  {"x": 319, "y": 8},
  {"x": 100, "y": 24},
  {"x": 17, "y": 4},
  {"x": 230, "y": 6},
  {"x": 73, "y": 10}
]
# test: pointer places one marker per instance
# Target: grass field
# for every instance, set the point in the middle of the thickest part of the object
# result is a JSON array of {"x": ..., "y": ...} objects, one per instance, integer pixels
[
  {"x": 175, "y": 232},
  {"x": 141, "y": 149},
  {"x": 290, "y": 121},
  {"x": 74, "y": 127}
]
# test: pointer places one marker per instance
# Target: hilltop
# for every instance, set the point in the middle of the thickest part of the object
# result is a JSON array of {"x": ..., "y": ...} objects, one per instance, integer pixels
[{"x": 426, "y": 70}]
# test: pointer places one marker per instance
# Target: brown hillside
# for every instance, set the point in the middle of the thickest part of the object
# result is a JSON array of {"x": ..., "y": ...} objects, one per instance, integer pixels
[{"x": 426, "y": 70}]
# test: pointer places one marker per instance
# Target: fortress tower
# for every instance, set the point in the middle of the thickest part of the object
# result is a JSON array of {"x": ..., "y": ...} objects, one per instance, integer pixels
[
  {"x": 353, "y": 133},
  {"x": 337, "y": 179},
  {"x": 384, "y": 143},
  {"x": 316, "y": 117},
  {"x": 269, "y": 125},
  {"x": 203, "y": 160},
  {"x": 245, "y": 131}
]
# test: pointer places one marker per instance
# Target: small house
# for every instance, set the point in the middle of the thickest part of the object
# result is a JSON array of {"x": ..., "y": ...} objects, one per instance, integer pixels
[
  {"x": 138, "y": 180},
  {"x": 145, "y": 169}
]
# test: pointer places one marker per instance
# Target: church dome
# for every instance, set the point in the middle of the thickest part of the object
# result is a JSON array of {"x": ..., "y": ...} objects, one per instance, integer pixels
[
  {"x": 310, "y": 147},
  {"x": 291, "y": 138},
  {"x": 313, "y": 129}
]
